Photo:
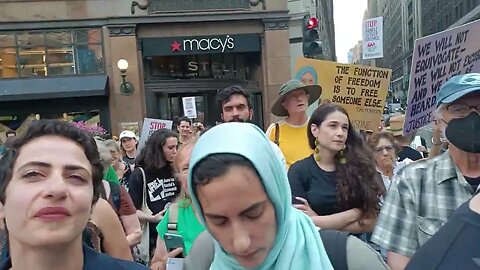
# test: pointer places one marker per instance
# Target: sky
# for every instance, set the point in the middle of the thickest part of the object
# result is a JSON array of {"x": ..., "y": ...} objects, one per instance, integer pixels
[{"x": 348, "y": 17}]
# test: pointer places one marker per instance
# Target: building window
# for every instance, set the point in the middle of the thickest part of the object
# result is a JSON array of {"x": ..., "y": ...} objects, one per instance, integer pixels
[{"x": 51, "y": 52}]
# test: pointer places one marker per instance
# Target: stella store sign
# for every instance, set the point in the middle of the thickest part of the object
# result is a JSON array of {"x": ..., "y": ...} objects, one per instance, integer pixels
[{"x": 216, "y": 44}]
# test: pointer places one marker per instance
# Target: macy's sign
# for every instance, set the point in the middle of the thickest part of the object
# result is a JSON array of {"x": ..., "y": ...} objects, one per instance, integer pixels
[{"x": 205, "y": 44}]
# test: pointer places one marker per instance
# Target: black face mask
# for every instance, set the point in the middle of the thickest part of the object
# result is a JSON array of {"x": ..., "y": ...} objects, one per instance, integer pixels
[{"x": 464, "y": 133}]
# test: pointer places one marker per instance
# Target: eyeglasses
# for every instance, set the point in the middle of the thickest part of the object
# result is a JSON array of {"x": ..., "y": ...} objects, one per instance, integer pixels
[
  {"x": 461, "y": 110},
  {"x": 389, "y": 148}
]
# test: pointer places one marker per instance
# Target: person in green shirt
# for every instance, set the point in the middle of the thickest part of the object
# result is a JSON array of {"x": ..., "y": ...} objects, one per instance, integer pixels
[
  {"x": 187, "y": 224},
  {"x": 111, "y": 175}
]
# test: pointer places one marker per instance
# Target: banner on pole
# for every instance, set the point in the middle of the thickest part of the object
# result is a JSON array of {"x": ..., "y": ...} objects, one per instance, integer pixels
[{"x": 372, "y": 44}]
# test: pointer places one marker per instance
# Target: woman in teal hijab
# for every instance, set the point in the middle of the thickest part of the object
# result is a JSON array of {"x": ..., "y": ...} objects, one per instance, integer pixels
[{"x": 241, "y": 193}]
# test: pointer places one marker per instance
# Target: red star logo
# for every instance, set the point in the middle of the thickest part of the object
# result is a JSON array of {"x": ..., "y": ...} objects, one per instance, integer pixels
[{"x": 175, "y": 46}]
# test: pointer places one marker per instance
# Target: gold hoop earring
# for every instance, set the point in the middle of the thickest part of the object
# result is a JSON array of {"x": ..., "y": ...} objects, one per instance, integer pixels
[
  {"x": 343, "y": 158},
  {"x": 317, "y": 151}
]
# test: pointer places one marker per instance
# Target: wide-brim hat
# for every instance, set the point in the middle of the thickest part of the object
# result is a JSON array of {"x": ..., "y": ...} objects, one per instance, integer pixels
[
  {"x": 396, "y": 124},
  {"x": 314, "y": 92}
]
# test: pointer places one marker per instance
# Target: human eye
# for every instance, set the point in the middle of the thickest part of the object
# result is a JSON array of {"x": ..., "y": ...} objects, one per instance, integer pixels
[
  {"x": 218, "y": 221},
  {"x": 32, "y": 175},
  {"x": 458, "y": 108},
  {"x": 77, "y": 178},
  {"x": 254, "y": 213}
]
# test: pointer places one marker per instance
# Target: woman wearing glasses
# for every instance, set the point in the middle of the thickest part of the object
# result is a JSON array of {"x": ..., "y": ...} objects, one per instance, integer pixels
[{"x": 385, "y": 154}]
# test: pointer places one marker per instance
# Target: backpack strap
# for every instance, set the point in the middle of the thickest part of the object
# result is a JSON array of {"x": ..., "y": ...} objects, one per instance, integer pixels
[
  {"x": 172, "y": 218},
  {"x": 277, "y": 134},
  {"x": 335, "y": 243},
  {"x": 116, "y": 196}
]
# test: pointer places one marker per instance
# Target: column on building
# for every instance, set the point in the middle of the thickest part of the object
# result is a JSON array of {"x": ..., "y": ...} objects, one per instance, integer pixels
[
  {"x": 276, "y": 63},
  {"x": 122, "y": 44}
]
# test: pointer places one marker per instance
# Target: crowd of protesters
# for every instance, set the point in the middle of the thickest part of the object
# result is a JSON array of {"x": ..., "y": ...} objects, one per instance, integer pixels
[{"x": 311, "y": 192}]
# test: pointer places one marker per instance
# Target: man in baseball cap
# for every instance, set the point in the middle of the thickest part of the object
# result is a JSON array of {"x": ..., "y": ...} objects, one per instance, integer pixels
[{"x": 427, "y": 192}]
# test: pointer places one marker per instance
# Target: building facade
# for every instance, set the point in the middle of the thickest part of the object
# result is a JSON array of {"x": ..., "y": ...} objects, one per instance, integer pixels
[
  {"x": 59, "y": 58},
  {"x": 407, "y": 20},
  {"x": 356, "y": 54},
  {"x": 321, "y": 9},
  {"x": 440, "y": 15}
]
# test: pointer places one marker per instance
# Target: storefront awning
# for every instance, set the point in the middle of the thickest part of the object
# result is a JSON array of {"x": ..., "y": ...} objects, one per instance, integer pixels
[{"x": 53, "y": 87}]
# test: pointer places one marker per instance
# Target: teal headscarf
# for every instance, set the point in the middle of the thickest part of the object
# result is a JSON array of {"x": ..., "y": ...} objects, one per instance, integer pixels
[{"x": 297, "y": 243}]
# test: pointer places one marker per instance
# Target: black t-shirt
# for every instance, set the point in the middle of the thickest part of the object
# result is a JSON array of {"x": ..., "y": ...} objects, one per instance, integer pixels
[
  {"x": 317, "y": 186},
  {"x": 408, "y": 152},
  {"x": 455, "y": 246},
  {"x": 129, "y": 166},
  {"x": 162, "y": 188},
  {"x": 473, "y": 182}
]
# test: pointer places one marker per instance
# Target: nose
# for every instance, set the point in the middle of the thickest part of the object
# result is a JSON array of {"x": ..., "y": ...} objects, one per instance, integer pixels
[
  {"x": 385, "y": 152},
  {"x": 56, "y": 187},
  {"x": 241, "y": 240}
]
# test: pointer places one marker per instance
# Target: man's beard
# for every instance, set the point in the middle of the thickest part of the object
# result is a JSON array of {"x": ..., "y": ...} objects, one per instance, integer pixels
[{"x": 237, "y": 119}]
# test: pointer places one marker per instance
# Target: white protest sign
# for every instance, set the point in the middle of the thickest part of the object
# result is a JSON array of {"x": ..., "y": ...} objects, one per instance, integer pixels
[
  {"x": 372, "y": 46},
  {"x": 189, "y": 107},
  {"x": 151, "y": 125},
  {"x": 436, "y": 59}
]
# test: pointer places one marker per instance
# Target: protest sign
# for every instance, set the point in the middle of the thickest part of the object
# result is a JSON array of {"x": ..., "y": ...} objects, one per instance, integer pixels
[
  {"x": 361, "y": 90},
  {"x": 372, "y": 43},
  {"x": 150, "y": 125},
  {"x": 189, "y": 107},
  {"x": 436, "y": 59}
]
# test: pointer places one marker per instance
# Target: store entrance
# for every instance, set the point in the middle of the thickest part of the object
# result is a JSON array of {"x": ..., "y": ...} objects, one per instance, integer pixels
[{"x": 171, "y": 105}]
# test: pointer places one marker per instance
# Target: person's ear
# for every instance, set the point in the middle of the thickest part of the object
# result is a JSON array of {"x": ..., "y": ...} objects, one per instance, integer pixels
[
  {"x": 251, "y": 114},
  {"x": 315, "y": 130}
]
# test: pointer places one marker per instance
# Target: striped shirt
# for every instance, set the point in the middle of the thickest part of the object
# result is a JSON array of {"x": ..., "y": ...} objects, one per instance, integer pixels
[{"x": 421, "y": 199}]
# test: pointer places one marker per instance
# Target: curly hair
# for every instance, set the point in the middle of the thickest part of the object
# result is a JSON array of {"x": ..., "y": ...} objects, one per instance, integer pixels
[{"x": 357, "y": 179}]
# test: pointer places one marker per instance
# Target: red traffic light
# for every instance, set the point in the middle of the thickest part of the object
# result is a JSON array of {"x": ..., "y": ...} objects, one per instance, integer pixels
[{"x": 312, "y": 23}]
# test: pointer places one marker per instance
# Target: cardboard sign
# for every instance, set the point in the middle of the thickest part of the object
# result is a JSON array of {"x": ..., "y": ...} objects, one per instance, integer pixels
[
  {"x": 372, "y": 43},
  {"x": 361, "y": 90},
  {"x": 436, "y": 59},
  {"x": 151, "y": 125},
  {"x": 189, "y": 107}
]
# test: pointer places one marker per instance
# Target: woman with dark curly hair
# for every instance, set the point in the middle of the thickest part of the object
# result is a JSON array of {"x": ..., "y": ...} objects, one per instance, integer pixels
[
  {"x": 337, "y": 186},
  {"x": 152, "y": 186}
]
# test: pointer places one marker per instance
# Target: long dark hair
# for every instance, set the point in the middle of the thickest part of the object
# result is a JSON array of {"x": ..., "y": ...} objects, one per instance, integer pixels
[
  {"x": 151, "y": 157},
  {"x": 357, "y": 183}
]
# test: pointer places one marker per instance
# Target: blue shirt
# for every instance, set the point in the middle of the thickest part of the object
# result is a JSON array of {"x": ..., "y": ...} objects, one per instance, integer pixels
[{"x": 93, "y": 260}]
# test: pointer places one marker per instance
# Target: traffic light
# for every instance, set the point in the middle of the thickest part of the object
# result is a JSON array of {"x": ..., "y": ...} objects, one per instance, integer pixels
[{"x": 312, "y": 47}]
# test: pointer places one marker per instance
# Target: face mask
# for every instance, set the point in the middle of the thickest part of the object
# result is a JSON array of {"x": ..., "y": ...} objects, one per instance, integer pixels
[{"x": 464, "y": 133}]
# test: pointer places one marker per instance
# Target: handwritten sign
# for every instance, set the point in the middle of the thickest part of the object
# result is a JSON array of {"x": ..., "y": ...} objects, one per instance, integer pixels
[
  {"x": 151, "y": 125},
  {"x": 361, "y": 90},
  {"x": 436, "y": 59}
]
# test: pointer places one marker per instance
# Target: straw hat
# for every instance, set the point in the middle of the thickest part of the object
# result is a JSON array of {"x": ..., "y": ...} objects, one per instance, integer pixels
[{"x": 396, "y": 124}]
